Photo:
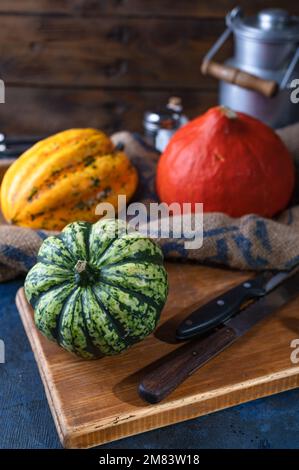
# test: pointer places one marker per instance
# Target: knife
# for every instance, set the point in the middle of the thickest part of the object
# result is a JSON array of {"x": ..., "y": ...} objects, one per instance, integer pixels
[
  {"x": 223, "y": 307},
  {"x": 14, "y": 152},
  {"x": 184, "y": 361},
  {"x": 17, "y": 140},
  {"x": 13, "y": 147}
]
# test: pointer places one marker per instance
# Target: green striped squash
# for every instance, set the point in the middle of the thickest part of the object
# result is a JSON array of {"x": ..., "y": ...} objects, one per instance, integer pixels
[{"x": 97, "y": 288}]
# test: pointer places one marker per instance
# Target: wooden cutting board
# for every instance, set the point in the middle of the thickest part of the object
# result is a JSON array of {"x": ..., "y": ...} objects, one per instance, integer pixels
[{"x": 97, "y": 401}]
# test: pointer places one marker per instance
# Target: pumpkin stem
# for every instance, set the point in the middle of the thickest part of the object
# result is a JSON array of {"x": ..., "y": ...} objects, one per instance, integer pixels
[
  {"x": 81, "y": 266},
  {"x": 229, "y": 113}
]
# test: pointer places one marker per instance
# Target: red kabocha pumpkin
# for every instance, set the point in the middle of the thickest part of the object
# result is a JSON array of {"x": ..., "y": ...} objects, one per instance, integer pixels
[{"x": 230, "y": 162}]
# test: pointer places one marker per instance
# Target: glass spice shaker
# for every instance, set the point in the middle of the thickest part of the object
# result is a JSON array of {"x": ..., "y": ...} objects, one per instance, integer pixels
[{"x": 160, "y": 124}]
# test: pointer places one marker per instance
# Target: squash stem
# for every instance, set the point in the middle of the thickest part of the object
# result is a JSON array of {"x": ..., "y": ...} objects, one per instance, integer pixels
[
  {"x": 84, "y": 274},
  {"x": 81, "y": 266}
]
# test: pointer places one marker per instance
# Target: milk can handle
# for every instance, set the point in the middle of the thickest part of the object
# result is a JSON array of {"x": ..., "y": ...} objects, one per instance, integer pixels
[
  {"x": 290, "y": 70},
  {"x": 234, "y": 75}
]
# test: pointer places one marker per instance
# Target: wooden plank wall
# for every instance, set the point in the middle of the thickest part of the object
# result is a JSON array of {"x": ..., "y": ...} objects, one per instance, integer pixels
[{"x": 103, "y": 62}]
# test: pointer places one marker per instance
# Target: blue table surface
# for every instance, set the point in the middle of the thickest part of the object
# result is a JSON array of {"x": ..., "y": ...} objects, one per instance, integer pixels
[{"x": 26, "y": 420}]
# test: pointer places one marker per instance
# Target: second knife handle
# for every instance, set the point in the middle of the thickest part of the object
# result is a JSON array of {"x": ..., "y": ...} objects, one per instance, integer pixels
[
  {"x": 220, "y": 309},
  {"x": 181, "y": 363}
]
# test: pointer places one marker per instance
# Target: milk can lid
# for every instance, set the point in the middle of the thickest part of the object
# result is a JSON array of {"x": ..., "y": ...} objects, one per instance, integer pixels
[{"x": 273, "y": 24}]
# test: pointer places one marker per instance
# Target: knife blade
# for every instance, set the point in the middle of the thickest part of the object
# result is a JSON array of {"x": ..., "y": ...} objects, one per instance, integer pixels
[
  {"x": 184, "y": 361},
  {"x": 226, "y": 305}
]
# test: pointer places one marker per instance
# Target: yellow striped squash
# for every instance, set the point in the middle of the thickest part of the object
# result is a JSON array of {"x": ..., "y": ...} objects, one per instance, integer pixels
[{"x": 61, "y": 179}]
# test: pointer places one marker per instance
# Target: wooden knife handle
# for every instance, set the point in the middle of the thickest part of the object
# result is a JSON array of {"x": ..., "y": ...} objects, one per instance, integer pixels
[
  {"x": 181, "y": 363},
  {"x": 236, "y": 76}
]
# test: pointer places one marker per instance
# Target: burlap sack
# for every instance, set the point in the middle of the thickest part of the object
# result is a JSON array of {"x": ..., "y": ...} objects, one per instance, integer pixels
[{"x": 250, "y": 242}]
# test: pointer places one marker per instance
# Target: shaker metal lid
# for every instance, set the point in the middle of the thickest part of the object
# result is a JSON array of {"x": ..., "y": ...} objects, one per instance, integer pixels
[
  {"x": 151, "y": 120},
  {"x": 273, "y": 24}
]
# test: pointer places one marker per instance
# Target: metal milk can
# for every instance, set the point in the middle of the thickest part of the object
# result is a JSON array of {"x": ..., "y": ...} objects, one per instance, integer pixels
[{"x": 262, "y": 79}]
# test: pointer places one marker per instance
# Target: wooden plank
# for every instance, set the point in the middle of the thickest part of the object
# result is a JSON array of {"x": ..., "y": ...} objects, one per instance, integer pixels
[
  {"x": 105, "y": 52},
  {"x": 97, "y": 401},
  {"x": 41, "y": 110},
  {"x": 141, "y": 8},
  {"x": 4, "y": 165}
]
